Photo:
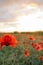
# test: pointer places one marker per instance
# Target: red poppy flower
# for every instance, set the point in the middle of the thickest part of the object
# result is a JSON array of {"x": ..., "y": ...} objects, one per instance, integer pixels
[
  {"x": 41, "y": 44},
  {"x": 38, "y": 48},
  {"x": 0, "y": 44},
  {"x": 8, "y": 40},
  {"x": 34, "y": 45},
  {"x": 26, "y": 53},
  {"x": 31, "y": 38},
  {"x": 40, "y": 58}
]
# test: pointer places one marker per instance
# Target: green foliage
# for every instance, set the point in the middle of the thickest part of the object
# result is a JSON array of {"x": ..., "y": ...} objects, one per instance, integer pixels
[{"x": 14, "y": 56}]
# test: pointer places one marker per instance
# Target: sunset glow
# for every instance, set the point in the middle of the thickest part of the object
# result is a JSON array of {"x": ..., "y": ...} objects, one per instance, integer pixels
[
  {"x": 27, "y": 17},
  {"x": 32, "y": 21}
]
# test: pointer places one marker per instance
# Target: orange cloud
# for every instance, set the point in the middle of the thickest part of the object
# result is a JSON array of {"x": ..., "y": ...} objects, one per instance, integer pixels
[{"x": 33, "y": 4}]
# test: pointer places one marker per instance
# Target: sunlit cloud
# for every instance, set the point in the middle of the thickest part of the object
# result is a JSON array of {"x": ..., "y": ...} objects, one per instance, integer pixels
[
  {"x": 24, "y": 17},
  {"x": 31, "y": 22},
  {"x": 7, "y": 28}
]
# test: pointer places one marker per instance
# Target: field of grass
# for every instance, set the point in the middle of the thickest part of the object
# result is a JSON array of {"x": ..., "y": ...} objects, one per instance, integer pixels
[{"x": 17, "y": 56}]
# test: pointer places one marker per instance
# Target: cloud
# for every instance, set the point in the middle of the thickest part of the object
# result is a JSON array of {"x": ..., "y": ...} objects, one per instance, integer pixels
[
  {"x": 10, "y": 13},
  {"x": 9, "y": 2},
  {"x": 11, "y": 9},
  {"x": 30, "y": 11}
]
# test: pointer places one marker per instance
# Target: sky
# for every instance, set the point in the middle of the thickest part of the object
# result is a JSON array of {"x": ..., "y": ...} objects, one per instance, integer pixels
[{"x": 21, "y": 15}]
